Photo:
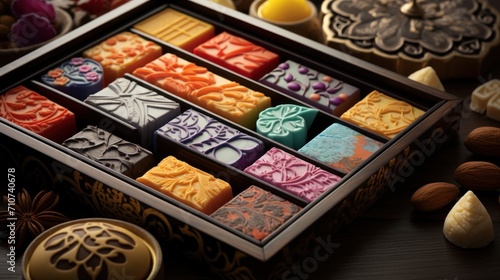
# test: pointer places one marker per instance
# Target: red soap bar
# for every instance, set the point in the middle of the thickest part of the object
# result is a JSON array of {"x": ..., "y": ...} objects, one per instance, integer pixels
[
  {"x": 35, "y": 112},
  {"x": 238, "y": 55}
]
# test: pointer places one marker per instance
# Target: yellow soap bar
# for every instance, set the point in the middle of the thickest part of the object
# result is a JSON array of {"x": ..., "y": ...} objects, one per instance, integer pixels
[
  {"x": 382, "y": 114},
  {"x": 232, "y": 101},
  {"x": 177, "y": 29},
  {"x": 187, "y": 184},
  {"x": 122, "y": 53}
]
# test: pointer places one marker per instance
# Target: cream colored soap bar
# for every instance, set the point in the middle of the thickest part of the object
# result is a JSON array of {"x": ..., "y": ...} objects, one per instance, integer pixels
[
  {"x": 382, "y": 114},
  {"x": 468, "y": 224},
  {"x": 188, "y": 185},
  {"x": 486, "y": 99},
  {"x": 177, "y": 29}
]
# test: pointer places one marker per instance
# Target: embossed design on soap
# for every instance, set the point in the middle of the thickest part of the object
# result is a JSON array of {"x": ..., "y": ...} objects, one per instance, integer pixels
[
  {"x": 287, "y": 124},
  {"x": 111, "y": 151},
  {"x": 292, "y": 174},
  {"x": 315, "y": 88},
  {"x": 122, "y": 53},
  {"x": 238, "y": 54},
  {"x": 92, "y": 250},
  {"x": 177, "y": 29},
  {"x": 485, "y": 99},
  {"x": 340, "y": 147},
  {"x": 232, "y": 101},
  {"x": 256, "y": 212},
  {"x": 143, "y": 108},
  {"x": 382, "y": 114},
  {"x": 446, "y": 26},
  {"x": 177, "y": 75},
  {"x": 213, "y": 138},
  {"x": 35, "y": 112},
  {"x": 78, "y": 77},
  {"x": 187, "y": 184}
]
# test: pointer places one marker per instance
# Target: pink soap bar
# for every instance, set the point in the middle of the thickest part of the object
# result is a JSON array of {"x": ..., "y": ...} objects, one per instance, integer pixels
[
  {"x": 35, "y": 112},
  {"x": 292, "y": 174},
  {"x": 238, "y": 55},
  {"x": 122, "y": 53}
]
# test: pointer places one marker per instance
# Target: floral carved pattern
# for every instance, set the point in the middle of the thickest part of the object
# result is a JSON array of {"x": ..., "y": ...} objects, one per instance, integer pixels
[{"x": 447, "y": 26}]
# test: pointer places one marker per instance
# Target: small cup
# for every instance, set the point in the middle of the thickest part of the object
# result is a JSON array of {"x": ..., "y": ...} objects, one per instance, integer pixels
[
  {"x": 309, "y": 27},
  {"x": 93, "y": 248}
]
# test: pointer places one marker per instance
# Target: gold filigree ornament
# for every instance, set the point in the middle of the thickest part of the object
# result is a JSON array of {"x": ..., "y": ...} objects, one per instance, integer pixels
[
  {"x": 94, "y": 248},
  {"x": 32, "y": 216}
]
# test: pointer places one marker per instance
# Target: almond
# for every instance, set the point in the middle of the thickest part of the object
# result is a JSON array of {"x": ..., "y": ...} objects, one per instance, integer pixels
[
  {"x": 478, "y": 175},
  {"x": 434, "y": 196},
  {"x": 484, "y": 141}
]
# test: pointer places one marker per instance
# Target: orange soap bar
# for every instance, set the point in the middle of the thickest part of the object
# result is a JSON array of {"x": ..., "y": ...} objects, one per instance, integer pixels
[
  {"x": 188, "y": 185},
  {"x": 382, "y": 114},
  {"x": 123, "y": 53},
  {"x": 232, "y": 101},
  {"x": 35, "y": 112},
  {"x": 238, "y": 55},
  {"x": 177, "y": 76},
  {"x": 177, "y": 29}
]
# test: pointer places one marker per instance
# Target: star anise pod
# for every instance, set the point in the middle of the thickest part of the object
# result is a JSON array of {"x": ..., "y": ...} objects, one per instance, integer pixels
[{"x": 33, "y": 215}]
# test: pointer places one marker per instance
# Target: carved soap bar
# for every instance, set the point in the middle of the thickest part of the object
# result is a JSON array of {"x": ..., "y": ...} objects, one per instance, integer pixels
[
  {"x": 35, "y": 112},
  {"x": 292, "y": 174},
  {"x": 340, "y": 147},
  {"x": 111, "y": 151},
  {"x": 122, "y": 53},
  {"x": 78, "y": 77},
  {"x": 287, "y": 124},
  {"x": 196, "y": 84},
  {"x": 382, "y": 114},
  {"x": 177, "y": 29},
  {"x": 187, "y": 184},
  {"x": 312, "y": 87},
  {"x": 143, "y": 108},
  {"x": 232, "y": 101},
  {"x": 238, "y": 55},
  {"x": 485, "y": 99},
  {"x": 256, "y": 212},
  {"x": 177, "y": 75},
  {"x": 213, "y": 138}
]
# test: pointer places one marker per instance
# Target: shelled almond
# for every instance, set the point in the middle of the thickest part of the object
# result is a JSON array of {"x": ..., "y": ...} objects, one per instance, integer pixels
[
  {"x": 478, "y": 175},
  {"x": 434, "y": 196},
  {"x": 484, "y": 141}
]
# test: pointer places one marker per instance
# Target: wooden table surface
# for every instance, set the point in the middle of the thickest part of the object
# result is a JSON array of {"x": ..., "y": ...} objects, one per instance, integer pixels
[{"x": 391, "y": 240}]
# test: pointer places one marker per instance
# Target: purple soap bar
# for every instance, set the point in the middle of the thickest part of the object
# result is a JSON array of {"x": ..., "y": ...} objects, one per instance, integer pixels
[
  {"x": 78, "y": 77},
  {"x": 141, "y": 107},
  {"x": 213, "y": 138},
  {"x": 103, "y": 147},
  {"x": 316, "y": 89},
  {"x": 292, "y": 174}
]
